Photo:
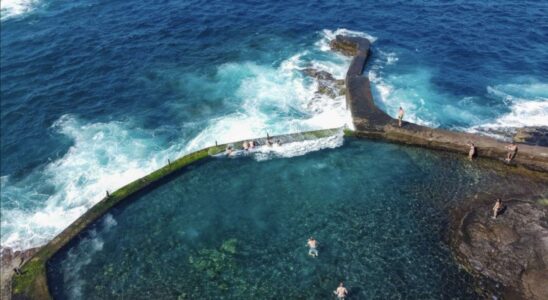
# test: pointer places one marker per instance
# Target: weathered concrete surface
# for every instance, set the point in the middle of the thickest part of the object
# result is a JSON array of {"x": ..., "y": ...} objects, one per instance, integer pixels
[
  {"x": 370, "y": 121},
  {"x": 511, "y": 250}
]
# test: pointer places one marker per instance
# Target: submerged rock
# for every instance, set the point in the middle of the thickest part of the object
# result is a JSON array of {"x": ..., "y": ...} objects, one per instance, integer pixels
[
  {"x": 327, "y": 84},
  {"x": 532, "y": 135},
  {"x": 511, "y": 251}
]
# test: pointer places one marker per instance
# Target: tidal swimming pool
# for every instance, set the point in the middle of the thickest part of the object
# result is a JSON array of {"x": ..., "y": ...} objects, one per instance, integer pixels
[{"x": 236, "y": 228}]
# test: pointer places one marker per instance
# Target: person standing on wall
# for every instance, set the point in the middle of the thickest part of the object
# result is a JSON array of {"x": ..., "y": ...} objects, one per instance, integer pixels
[{"x": 400, "y": 116}]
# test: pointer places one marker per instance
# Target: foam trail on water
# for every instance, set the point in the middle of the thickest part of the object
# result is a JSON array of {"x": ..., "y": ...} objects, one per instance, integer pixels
[
  {"x": 527, "y": 105},
  {"x": 277, "y": 99},
  {"x": 14, "y": 8}
]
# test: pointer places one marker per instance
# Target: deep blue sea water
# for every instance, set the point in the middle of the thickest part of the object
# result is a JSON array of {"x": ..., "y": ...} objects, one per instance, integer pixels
[{"x": 97, "y": 93}]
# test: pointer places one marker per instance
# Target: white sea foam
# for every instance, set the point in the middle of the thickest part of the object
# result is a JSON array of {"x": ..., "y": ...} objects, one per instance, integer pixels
[
  {"x": 328, "y": 35},
  {"x": 527, "y": 105},
  {"x": 275, "y": 100},
  {"x": 105, "y": 156},
  {"x": 292, "y": 149},
  {"x": 415, "y": 98},
  {"x": 13, "y": 8}
]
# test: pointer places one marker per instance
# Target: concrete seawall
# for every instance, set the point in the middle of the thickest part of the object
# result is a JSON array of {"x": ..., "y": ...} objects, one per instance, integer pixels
[
  {"x": 32, "y": 284},
  {"x": 370, "y": 121}
]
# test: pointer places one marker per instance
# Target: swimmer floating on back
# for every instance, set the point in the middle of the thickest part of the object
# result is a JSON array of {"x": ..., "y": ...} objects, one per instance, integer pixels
[{"x": 313, "y": 244}]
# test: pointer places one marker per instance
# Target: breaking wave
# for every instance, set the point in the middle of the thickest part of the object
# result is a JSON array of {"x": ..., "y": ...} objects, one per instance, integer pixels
[{"x": 274, "y": 99}]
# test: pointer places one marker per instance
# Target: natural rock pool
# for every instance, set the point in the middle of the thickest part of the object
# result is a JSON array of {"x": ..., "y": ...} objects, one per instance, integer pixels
[{"x": 237, "y": 228}]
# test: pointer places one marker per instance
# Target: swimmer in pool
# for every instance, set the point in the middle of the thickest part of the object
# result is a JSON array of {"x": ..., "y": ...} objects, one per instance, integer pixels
[
  {"x": 313, "y": 244},
  {"x": 341, "y": 291}
]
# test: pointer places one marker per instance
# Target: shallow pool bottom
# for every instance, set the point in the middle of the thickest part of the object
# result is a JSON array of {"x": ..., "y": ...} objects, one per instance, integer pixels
[{"x": 237, "y": 228}]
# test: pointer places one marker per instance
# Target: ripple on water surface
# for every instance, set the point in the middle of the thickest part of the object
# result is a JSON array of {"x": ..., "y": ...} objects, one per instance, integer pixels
[{"x": 237, "y": 228}]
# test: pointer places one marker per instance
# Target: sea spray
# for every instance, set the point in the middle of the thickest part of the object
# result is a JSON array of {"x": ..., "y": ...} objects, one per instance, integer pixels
[{"x": 104, "y": 156}]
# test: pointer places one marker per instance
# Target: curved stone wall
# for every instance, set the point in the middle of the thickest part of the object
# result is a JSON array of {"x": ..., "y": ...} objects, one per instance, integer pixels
[
  {"x": 370, "y": 121},
  {"x": 32, "y": 284}
]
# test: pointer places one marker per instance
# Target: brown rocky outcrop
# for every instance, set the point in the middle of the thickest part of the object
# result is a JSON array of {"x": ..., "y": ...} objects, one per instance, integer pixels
[
  {"x": 511, "y": 250},
  {"x": 532, "y": 136},
  {"x": 9, "y": 261},
  {"x": 327, "y": 84}
]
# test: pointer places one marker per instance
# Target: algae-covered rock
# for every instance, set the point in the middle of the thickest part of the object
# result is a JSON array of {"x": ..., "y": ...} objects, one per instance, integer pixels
[
  {"x": 213, "y": 262},
  {"x": 229, "y": 246}
]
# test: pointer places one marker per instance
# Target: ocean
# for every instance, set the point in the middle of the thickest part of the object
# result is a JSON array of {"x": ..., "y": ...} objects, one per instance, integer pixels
[{"x": 95, "y": 94}]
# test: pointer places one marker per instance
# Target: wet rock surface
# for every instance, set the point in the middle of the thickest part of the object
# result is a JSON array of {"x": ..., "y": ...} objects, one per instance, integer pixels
[
  {"x": 327, "y": 84},
  {"x": 10, "y": 260},
  {"x": 508, "y": 254},
  {"x": 532, "y": 136}
]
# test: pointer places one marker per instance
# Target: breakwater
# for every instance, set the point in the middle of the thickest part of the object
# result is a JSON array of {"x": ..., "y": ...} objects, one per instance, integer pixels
[
  {"x": 370, "y": 121},
  {"x": 32, "y": 283}
]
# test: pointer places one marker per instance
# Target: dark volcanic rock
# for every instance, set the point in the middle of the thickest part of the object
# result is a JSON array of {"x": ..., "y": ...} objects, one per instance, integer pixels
[
  {"x": 327, "y": 84},
  {"x": 532, "y": 135},
  {"x": 349, "y": 45},
  {"x": 319, "y": 74},
  {"x": 511, "y": 250}
]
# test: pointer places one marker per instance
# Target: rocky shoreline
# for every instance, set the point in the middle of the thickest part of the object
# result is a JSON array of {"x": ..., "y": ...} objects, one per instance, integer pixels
[
  {"x": 11, "y": 260},
  {"x": 507, "y": 255}
]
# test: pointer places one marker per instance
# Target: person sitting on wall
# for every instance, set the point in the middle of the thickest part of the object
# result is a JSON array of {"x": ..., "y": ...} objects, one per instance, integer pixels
[
  {"x": 400, "y": 116},
  {"x": 472, "y": 152},
  {"x": 245, "y": 145},
  {"x": 229, "y": 150},
  {"x": 512, "y": 152},
  {"x": 497, "y": 208},
  {"x": 251, "y": 144}
]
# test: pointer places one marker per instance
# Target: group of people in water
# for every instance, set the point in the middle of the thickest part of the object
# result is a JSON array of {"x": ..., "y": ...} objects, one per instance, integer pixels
[
  {"x": 252, "y": 144},
  {"x": 512, "y": 149},
  {"x": 341, "y": 292}
]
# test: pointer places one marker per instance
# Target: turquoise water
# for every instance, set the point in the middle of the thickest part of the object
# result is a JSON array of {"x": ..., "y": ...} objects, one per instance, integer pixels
[
  {"x": 98, "y": 93},
  {"x": 237, "y": 228}
]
